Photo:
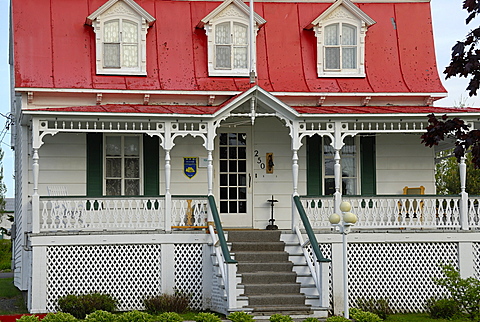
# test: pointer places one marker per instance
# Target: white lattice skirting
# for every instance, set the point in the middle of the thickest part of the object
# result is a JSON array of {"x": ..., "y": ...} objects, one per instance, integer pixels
[{"x": 399, "y": 271}]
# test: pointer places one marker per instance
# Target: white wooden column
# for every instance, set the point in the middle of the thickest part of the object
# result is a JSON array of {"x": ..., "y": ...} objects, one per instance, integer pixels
[
  {"x": 337, "y": 144},
  {"x": 463, "y": 195},
  {"x": 36, "y": 144},
  {"x": 168, "y": 195},
  {"x": 295, "y": 188}
]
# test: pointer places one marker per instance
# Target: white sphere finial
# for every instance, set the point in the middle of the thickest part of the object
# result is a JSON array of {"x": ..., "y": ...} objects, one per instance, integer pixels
[
  {"x": 334, "y": 219},
  {"x": 349, "y": 218},
  {"x": 345, "y": 206}
]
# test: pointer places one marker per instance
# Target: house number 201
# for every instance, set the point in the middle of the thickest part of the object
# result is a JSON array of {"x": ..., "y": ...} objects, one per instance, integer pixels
[{"x": 259, "y": 160}]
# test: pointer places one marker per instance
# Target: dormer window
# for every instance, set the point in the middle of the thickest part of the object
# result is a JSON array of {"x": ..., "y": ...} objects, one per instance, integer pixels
[
  {"x": 341, "y": 50},
  {"x": 340, "y": 32},
  {"x": 120, "y": 32},
  {"x": 227, "y": 29}
]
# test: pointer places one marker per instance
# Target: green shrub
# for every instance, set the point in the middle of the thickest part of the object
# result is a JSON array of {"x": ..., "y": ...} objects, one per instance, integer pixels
[
  {"x": 362, "y": 316},
  {"x": 464, "y": 291},
  {"x": 5, "y": 254},
  {"x": 337, "y": 319},
  {"x": 380, "y": 307},
  {"x": 59, "y": 317},
  {"x": 81, "y": 305},
  {"x": 101, "y": 316},
  {"x": 135, "y": 316},
  {"x": 169, "y": 317},
  {"x": 311, "y": 320},
  {"x": 206, "y": 317},
  {"x": 442, "y": 308},
  {"x": 177, "y": 302},
  {"x": 28, "y": 318},
  {"x": 281, "y": 318},
  {"x": 240, "y": 317}
]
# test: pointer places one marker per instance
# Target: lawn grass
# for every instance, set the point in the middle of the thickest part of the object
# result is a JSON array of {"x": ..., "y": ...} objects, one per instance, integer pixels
[
  {"x": 418, "y": 317},
  {"x": 5, "y": 255},
  {"x": 10, "y": 292}
]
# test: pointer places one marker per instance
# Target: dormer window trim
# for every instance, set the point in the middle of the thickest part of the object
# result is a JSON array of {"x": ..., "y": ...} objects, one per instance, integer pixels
[
  {"x": 346, "y": 17},
  {"x": 230, "y": 15},
  {"x": 124, "y": 39}
]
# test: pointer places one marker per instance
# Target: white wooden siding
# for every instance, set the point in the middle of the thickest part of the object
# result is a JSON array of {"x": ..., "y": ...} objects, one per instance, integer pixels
[
  {"x": 403, "y": 161},
  {"x": 63, "y": 162},
  {"x": 271, "y": 136}
]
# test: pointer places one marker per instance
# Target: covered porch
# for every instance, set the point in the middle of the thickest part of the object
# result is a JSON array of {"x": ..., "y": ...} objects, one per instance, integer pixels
[{"x": 249, "y": 124}]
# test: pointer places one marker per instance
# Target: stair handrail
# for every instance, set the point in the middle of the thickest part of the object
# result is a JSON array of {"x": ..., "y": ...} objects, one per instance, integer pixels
[
  {"x": 308, "y": 228},
  {"x": 319, "y": 264},
  {"x": 227, "y": 265},
  {"x": 218, "y": 227}
]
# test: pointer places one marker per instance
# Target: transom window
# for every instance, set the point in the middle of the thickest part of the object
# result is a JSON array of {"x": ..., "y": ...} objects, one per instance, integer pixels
[
  {"x": 120, "y": 46},
  {"x": 340, "y": 47},
  {"x": 122, "y": 165},
  {"x": 231, "y": 45}
]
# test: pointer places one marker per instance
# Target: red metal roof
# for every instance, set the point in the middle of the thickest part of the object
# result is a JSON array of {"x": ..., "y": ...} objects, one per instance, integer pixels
[
  {"x": 208, "y": 110},
  {"x": 54, "y": 49}
]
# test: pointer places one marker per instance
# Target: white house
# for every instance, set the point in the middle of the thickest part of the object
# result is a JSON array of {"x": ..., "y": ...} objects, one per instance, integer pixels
[{"x": 139, "y": 125}]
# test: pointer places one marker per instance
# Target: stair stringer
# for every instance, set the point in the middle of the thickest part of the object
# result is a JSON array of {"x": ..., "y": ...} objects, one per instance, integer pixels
[{"x": 300, "y": 266}]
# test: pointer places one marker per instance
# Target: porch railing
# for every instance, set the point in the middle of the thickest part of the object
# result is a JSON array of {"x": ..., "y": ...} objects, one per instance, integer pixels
[
  {"x": 399, "y": 211},
  {"x": 123, "y": 213}
]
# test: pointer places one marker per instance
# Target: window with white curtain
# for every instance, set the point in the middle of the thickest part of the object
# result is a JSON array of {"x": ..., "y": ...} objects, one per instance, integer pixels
[
  {"x": 120, "y": 46},
  {"x": 340, "y": 49},
  {"x": 231, "y": 45},
  {"x": 122, "y": 165}
]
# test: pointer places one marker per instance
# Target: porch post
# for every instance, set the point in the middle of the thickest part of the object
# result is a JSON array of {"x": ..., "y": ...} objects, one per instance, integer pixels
[
  {"x": 36, "y": 144},
  {"x": 337, "y": 144},
  {"x": 295, "y": 187},
  {"x": 168, "y": 196},
  {"x": 35, "y": 196},
  {"x": 210, "y": 181},
  {"x": 463, "y": 195}
]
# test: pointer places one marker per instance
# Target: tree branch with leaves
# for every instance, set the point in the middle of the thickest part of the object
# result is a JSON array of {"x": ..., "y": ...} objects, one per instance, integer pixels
[
  {"x": 465, "y": 59},
  {"x": 466, "y": 139}
]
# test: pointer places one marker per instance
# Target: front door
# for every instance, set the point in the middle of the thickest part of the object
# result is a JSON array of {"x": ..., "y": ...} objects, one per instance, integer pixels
[{"x": 234, "y": 178}]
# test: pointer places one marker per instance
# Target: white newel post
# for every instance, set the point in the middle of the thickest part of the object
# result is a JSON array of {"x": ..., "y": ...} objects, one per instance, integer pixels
[
  {"x": 35, "y": 196},
  {"x": 231, "y": 287},
  {"x": 463, "y": 195},
  {"x": 324, "y": 281},
  {"x": 168, "y": 196},
  {"x": 295, "y": 188}
]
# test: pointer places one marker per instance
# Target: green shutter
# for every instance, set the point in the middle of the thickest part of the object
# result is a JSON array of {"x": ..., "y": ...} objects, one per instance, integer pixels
[
  {"x": 314, "y": 165},
  {"x": 94, "y": 164},
  {"x": 368, "y": 165},
  {"x": 151, "y": 180}
]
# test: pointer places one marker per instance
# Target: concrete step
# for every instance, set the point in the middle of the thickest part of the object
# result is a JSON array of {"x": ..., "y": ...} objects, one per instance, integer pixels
[
  {"x": 284, "y": 288},
  {"x": 276, "y": 299},
  {"x": 280, "y": 309},
  {"x": 261, "y": 257},
  {"x": 256, "y": 246},
  {"x": 269, "y": 277},
  {"x": 245, "y": 267},
  {"x": 254, "y": 235}
]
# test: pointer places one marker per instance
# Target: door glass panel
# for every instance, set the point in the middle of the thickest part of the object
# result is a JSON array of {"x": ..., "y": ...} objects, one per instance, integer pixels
[{"x": 233, "y": 181}]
